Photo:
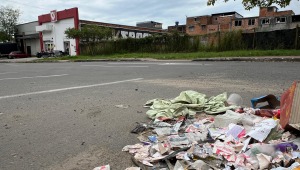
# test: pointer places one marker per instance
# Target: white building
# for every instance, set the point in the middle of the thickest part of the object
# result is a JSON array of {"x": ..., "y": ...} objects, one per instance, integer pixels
[{"x": 48, "y": 33}]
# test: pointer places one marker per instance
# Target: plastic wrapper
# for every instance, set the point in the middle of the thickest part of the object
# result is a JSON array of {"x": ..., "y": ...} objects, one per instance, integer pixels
[{"x": 105, "y": 167}]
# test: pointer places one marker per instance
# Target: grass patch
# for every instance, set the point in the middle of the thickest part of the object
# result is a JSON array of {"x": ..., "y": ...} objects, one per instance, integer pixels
[{"x": 193, "y": 55}]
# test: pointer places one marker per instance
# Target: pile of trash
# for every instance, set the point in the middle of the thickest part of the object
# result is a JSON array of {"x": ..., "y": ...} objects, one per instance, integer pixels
[{"x": 192, "y": 131}]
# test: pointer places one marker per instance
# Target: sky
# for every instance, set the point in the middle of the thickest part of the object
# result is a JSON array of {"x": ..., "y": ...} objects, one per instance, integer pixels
[{"x": 129, "y": 12}]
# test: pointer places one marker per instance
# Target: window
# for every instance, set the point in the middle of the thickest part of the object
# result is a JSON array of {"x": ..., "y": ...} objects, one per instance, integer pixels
[
  {"x": 196, "y": 19},
  {"x": 191, "y": 28},
  {"x": 265, "y": 21},
  {"x": 281, "y": 20},
  {"x": 251, "y": 21},
  {"x": 238, "y": 23},
  {"x": 203, "y": 27},
  {"x": 270, "y": 9}
]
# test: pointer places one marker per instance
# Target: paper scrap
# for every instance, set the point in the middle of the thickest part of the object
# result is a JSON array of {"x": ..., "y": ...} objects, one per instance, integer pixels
[
  {"x": 261, "y": 130},
  {"x": 264, "y": 160},
  {"x": 246, "y": 143},
  {"x": 234, "y": 130}
]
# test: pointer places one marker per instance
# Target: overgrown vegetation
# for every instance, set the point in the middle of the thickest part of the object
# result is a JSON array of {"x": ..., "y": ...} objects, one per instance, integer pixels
[
  {"x": 97, "y": 40},
  {"x": 185, "y": 55}
]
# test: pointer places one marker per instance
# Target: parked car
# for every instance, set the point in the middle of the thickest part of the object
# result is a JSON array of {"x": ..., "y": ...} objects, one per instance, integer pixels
[
  {"x": 17, "y": 54},
  {"x": 54, "y": 53},
  {"x": 43, "y": 54}
]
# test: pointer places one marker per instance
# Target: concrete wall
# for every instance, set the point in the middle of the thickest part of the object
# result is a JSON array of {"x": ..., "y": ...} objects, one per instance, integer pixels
[
  {"x": 245, "y": 26},
  {"x": 150, "y": 24},
  {"x": 179, "y": 28},
  {"x": 212, "y": 28},
  {"x": 267, "y": 12},
  {"x": 28, "y": 28},
  {"x": 200, "y": 24}
]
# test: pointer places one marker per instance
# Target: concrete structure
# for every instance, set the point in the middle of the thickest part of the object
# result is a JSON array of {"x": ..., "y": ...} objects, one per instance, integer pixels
[
  {"x": 150, "y": 24},
  {"x": 27, "y": 38},
  {"x": 177, "y": 27},
  {"x": 48, "y": 33},
  {"x": 200, "y": 25},
  {"x": 52, "y": 31},
  {"x": 124, "y": 31},
  {"x": 269, "y": 19}
]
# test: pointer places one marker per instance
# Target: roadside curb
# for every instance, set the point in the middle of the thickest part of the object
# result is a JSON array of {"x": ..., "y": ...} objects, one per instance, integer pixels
[
  {"x": 245, "y": 59},
  {"x": 254, "y": 59}
]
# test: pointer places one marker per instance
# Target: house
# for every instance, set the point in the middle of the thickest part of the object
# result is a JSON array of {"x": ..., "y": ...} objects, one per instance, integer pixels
[
  {"x": 177, "y": 27},
  {"x": 269, "y": 19}
]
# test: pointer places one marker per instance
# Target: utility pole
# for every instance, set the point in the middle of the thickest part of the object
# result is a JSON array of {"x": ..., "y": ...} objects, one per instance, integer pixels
[
  {"x": 254, "y": 37},
  {"x": 297, "y": 37}
]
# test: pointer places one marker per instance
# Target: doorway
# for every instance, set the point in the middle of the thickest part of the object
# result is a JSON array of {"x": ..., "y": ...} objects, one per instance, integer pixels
[
  {"x": 67, "y": 47},
  {"x": 28, "y": 49}
]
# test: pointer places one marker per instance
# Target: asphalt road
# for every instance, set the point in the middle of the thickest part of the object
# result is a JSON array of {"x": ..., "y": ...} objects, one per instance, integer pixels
[{"x": 63, "y": 115}]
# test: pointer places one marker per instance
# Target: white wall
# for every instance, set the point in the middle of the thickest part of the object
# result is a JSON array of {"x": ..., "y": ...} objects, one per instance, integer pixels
[
  {"x": 27, "y": 28},
  {"x": 34, "y": 44},
  {"x": 57, "y": 35}
]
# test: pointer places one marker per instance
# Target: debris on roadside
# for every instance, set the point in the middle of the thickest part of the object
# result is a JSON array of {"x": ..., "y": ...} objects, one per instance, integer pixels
[
  {"x": 133, "y": 168},
  {"x": 105, "y": 167},
  {"x": 122, "y": 106},
  {"x": 192, "y": 131}
]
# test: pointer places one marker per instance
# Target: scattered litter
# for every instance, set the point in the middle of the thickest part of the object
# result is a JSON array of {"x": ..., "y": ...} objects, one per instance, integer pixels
[
  {"x": 235, "y": 99},
  {"x": 122, "y": 106},
  {"x": 187, "y": 104},
  {"x": 105, "y": 167},
  {"x": 289, "y": 106},
  {"x": 262, "y": 129},
  {"x": 183, "y": 135},
  {"x": 153, "y": 139},
  {"x": 133, "y": 168},
  {"x": 272, "y": 101},
  {"x": 264, "y": 160},
  {"x": 139, "y": 128},
  {"x": 227, "y": 118}
]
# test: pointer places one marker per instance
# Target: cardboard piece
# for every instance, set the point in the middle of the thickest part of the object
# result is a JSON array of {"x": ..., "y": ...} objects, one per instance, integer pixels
[{"x": 290, "y": 107}]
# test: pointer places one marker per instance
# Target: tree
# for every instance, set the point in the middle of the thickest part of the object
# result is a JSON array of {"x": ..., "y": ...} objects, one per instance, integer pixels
[
  {"x": 89, "y": 35},
  {"x": 8, "y": 20},
  {"x": 249, "y": 4}
]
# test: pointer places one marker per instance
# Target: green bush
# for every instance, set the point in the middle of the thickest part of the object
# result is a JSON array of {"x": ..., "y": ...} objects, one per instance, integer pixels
[{"x": 178, "y": 43}]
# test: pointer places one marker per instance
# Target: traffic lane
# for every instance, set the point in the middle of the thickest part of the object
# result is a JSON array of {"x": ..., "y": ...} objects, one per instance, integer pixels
[
  {"x": 49, "y": 128},
  {"x": 17, "y": 84},
  {"x": 31, "y": 78}
]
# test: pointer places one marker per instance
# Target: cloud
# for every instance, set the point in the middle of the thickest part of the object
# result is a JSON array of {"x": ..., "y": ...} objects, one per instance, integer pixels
[{"x": 130, "y": 12}]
